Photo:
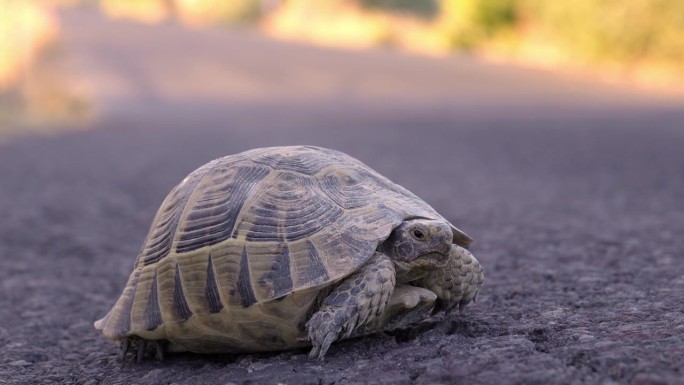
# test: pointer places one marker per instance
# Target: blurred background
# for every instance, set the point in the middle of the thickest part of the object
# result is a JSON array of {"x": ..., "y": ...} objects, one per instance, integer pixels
[{"x": 67, "y": 63}]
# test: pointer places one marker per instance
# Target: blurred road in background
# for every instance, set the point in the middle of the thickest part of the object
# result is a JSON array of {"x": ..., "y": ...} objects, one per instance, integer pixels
[
  {"x": 572, "y": 191},
  {"x": 132, "y": 68}
]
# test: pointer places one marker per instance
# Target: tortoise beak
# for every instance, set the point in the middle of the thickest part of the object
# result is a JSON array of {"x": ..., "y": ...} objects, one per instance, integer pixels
[{"x": 441, "y": 238}]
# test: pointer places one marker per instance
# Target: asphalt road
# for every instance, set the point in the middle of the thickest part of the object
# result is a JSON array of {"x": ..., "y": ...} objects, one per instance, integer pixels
[{"x": 573, "y": 192}]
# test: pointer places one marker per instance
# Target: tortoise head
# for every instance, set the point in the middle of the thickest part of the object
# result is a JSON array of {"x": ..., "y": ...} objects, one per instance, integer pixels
[{"x": 419, "y": 245}]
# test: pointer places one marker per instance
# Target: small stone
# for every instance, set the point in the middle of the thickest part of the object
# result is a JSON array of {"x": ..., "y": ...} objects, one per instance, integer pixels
[
  {"x": 153, "y": 374},
  {"x": 258, "y": 366},
  {"x": 586, "y": 338},
  {"x": 73, "y": 357},
  {"x": 19, "y": 363}
]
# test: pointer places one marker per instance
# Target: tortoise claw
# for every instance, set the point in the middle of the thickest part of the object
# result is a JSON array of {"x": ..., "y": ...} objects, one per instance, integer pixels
[
  {"x": 160, "y": 350},
  {"x": 141, "y": 350},
  {"x": 314, "y": 351},
  {"x": 124, "y": 349},
  {"x": 329, "y": 339},
  {"x": 318, "y": 351}
]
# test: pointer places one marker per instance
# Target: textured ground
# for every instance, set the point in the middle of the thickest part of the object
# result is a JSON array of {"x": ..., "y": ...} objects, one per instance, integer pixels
[{"x": 574, "y": 195}]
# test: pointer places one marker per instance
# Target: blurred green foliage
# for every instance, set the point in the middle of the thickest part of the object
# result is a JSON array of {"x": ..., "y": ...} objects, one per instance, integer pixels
[
  {"x": 237, "y": 11},
  {"x": 590, "y": 30},
  {"x": 467, "y": 24},
  {"x": 421, "y": 8},
  {"x": 625, "y": 31}
]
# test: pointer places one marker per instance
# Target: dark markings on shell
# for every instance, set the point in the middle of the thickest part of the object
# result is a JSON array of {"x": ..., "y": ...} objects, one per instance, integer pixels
[
  {"x": 344, "y": 189},
  {"x": 215, "y": 213},
  {"x": 268, "y": 227},
  {"x": 304, "y": 227},
  {"x": 315, "y": 271},
  {"x": 123, "y": 322},
  {"x": 279, "y": 279},
  {"x": 361, "y": 247},
  {"x": 180, "y": 303},
  {"x": 152, "y": 315},
  {"x": 160, "y": 239},
  {"x": 244, "y": 283},
  {"x": 290, "y": 210},
  {"x": 300, "y": 161},
  {"x": 211, "y": 291},
  {"x": 383, "y": 183}
]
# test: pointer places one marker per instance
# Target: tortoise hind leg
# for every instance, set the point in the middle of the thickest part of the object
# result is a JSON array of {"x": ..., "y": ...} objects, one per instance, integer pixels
[
  {"x": 356, "y": 302},
  {"x": 140, "y": 348}
]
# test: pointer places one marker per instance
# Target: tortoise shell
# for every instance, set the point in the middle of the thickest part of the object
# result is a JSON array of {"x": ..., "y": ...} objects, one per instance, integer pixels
[{"x": 244, "y": 232}]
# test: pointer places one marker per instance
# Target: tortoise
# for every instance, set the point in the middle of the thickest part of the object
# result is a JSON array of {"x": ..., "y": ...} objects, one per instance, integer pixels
[{"x": 286, "y": 247}]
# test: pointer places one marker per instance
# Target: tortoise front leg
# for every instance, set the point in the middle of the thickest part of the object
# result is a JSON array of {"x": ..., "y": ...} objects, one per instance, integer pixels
[
  {"x": 357, "y": 301},
  {"x": 458, "y": 283}
]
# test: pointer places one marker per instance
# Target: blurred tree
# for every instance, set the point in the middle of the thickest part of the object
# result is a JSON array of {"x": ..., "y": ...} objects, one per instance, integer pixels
[
  {"x": 468, "y": 23},
  {"x": 422, "y": 8},
  {"x": 611, "y": 29},
  {"x": 202, "y": 12},
  {"x": 147, "y": 11}
]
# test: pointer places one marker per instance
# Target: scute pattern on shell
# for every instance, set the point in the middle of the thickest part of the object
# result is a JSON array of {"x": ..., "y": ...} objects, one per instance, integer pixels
[{"x": 257, "y": 227}]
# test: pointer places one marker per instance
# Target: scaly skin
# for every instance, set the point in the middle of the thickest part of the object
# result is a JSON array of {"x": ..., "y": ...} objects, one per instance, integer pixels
[
  {"x": 356, "y": 302},
  {"x": 414, "y": 249},
  {"x": 458, "y": 283}
]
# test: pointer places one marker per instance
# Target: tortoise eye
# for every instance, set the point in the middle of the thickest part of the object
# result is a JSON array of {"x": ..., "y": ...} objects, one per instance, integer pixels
[{"x": 419, "y": 234}]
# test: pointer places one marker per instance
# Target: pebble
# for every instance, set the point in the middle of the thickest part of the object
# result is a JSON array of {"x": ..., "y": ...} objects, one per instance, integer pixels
[
  {"x": 153, "y": 374},
  {"x": 586, "y": 338},
  {"x": 19, "y": 363},
  {"x": 258, "y": 366}
]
